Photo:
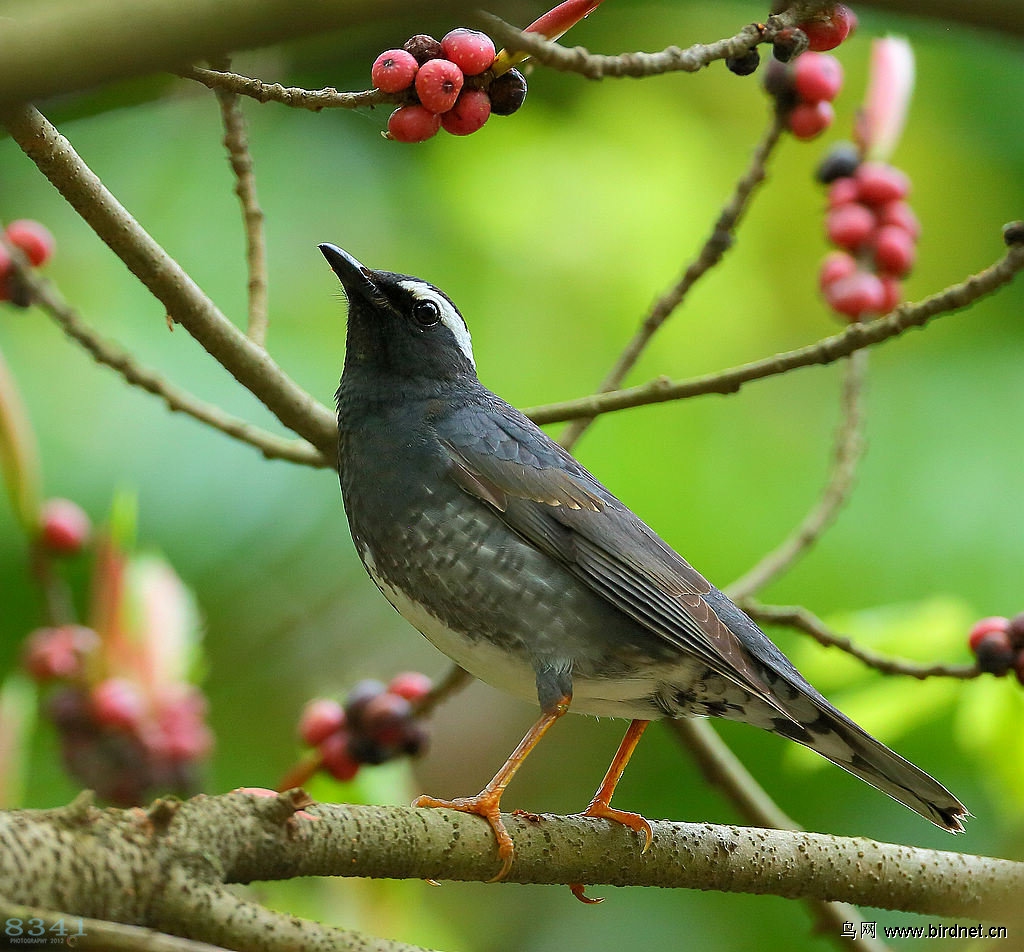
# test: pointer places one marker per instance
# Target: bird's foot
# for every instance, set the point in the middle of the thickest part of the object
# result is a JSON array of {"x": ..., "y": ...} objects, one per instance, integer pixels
[
  {"x": 604, "y": 811},
  {"x": 485, "y": 804}
]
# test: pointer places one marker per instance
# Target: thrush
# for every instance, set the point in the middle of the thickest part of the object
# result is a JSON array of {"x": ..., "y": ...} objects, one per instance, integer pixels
[{"x": 513, "y": 560}]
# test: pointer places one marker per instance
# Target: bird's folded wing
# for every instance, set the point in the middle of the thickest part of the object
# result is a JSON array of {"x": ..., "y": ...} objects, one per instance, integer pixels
[{"x": 549, "y": 499}]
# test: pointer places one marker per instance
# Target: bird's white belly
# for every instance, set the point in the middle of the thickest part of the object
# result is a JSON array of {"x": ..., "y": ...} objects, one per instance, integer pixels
[{"x": 510, "y": 671}]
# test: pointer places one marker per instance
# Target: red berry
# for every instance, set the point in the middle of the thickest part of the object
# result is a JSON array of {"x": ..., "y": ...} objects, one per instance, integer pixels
[
  {"x": 470, "y": 50},
  {"x": 412, "y": 685},
  {"x": 849, "y": 226},
  {"x": 336, "y": 757},
  {"x": 880, "y": 183},
  {"x": 182, "y": 736},
  {"x": 412, "y": 124},
  {"x": 393, "y": 71},
  {"x": 33, "y": 239},
  {"x": 321, "y": 717},
  {"x": 892, "y": 293},
  {"x": 5, "y": 267},
  {"x": 836, "y": 265},
  {"x": 856, "y": 295},
  {"x": 65, "y": 528},
  {"x": 900, "y": 215},
  {"x": 438, "y": 84},
  {"x": 843, "y": 191},
  {"x": 984, "y": 627},
  {"x": 470, "y": 112},
  {"x": 817, "y": 76},
  {"x": 894, "y": 251},
  {"x": 118, "y": 702},
  {"x": 807, "y": 120},
  {"x": 829, "y": 31}
]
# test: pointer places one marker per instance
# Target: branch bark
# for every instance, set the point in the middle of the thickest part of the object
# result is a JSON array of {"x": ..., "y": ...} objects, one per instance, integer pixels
[{"x": 81, "y": 860}]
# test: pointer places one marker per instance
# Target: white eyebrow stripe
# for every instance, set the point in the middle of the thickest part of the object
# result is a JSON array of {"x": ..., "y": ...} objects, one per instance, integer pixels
[{"x": 450, "y": 317}]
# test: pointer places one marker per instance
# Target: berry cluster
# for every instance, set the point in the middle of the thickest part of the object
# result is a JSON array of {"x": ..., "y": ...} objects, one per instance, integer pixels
[
  {"x": 804, "y": 90},
  {"x": 36, "y": 243},
  {"x": 374, "y": 725},
  {"x": 114, "y": 738},
  {"x": 998, "y": 644},
  {"x": 870, "y": 220},
  {"x": 435, "y": 76}
]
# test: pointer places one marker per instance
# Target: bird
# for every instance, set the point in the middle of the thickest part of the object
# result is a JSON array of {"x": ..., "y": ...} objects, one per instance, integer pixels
[{"x": 514, "y": 561}]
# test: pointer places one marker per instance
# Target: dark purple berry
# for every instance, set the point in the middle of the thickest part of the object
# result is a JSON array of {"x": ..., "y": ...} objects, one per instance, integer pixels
[
  {"x": 788, "y": 43},
  {"x": 1015, "y": 629},
  {"x": 507, "y": 92},
  {"x": 423, "y": 47},
  {"x": 355, "y": 704},
  {"x": 995, "y": 653},
  {"x": 745, "y": 63},
  {"x": 1013, "y": 233}
]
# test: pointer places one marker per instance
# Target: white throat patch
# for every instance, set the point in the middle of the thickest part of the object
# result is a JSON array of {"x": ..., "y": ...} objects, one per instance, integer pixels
[{"x": 450, "y": 317}]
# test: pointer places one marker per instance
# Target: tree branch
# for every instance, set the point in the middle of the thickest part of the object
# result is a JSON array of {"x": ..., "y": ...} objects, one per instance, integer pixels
[
  {"x": 237, "y": 144},
  {"x": 795, "y": 616},
  {"x": 822, "y": 352},
  {"x": 45, "y": 295},
  {"x": 295, "y": 96},
  {"x": 163, "y": 276},
  {"x": 54, "y": 47},
  {"x": 723, "y": 769},
  {"x": 78, "y": 859}
]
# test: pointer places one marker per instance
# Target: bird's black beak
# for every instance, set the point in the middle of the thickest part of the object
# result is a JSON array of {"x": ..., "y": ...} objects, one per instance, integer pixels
[{"x": 355, "y": 278}]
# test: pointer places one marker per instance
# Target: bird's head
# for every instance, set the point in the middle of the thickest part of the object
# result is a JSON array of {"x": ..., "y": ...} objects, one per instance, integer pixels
[{"x": 399, "y": 325}]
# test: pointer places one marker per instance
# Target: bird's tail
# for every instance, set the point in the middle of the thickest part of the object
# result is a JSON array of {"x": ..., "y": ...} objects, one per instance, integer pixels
[{"x": 827, "y": 731}]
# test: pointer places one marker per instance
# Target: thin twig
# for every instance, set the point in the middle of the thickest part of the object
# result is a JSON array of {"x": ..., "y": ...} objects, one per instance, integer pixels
[
  {"x": 717, "y": 244},
  {"x": 847, "y": 451},
  {"x": 798, "y": 617},
  {"x": 825, "y": 351},
  {"x": 237, "y": 144},
  {"x": 177, "y": 399},
  {"x": 454, "y": 680},
  {"x": 312, "y": 99},
  {"x": 672, "y": 59},
  {"x": 724, "y": 770}
]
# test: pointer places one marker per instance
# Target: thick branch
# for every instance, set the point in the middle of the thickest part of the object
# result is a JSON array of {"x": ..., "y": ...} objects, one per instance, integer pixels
[
  {"x": 163, "y": 276},
  {"x": 80, "y": 859},
  {"x": 825, "y": 351},
  {"x": 44, "y": 294}
]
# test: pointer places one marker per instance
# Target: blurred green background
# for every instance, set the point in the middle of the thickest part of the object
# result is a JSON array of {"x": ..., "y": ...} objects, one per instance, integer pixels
[{"x": 554, "y": 230}]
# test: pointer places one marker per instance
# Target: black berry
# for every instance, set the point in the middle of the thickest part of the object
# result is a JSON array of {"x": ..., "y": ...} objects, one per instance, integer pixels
[
  {"x": 745, "y": 63},
  {"x": 507, "y": 92},
  {"x": 841, "y": 161}
]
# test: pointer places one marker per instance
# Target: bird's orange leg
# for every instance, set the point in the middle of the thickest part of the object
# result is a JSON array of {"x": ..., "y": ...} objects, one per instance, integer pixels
[
  {"x": 601, "y": 806},
  {"x": 487, "y": 803}
]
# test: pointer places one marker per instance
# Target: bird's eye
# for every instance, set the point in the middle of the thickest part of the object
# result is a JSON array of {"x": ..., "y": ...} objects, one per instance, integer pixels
[{"x": 426, "y": 313}]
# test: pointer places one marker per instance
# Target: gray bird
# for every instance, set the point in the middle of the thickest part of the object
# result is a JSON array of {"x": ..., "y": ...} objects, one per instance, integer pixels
[{"x": 514, "y": 561}]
